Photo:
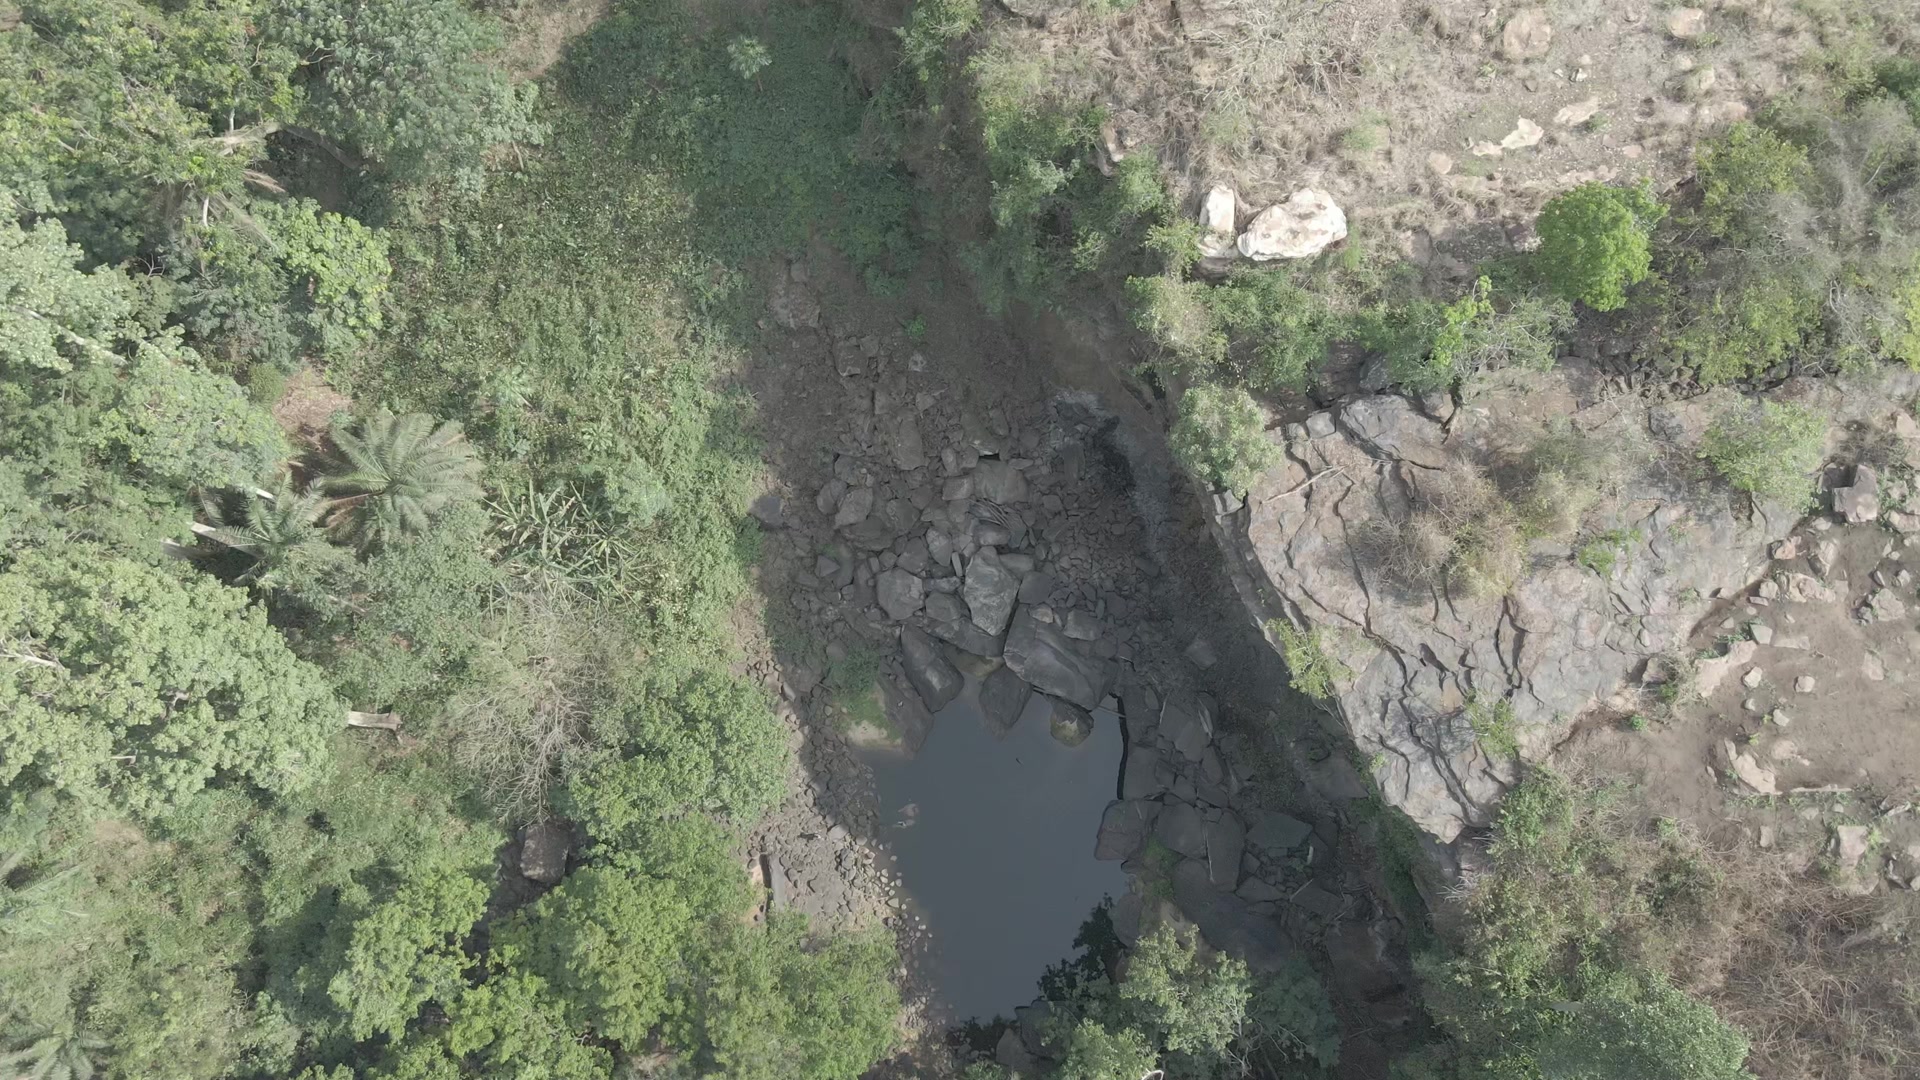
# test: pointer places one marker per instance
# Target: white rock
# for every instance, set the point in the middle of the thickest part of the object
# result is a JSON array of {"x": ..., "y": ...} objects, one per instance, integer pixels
[
  {"x": 1686, "y": 23},
  {"x": 1301, "y": 227},
  {"x": 1527, "y": 35},
  {"x": 1804, "y": 684},
  {"x": 1524, "y": 134},
  {"x": 1577, "y": 113},
  {"x": 1752, "y": 678},
  {"x": 1217, "y": 217}
]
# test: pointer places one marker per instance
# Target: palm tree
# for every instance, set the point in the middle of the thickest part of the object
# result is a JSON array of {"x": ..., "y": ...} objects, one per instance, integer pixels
[
  {"x": 395, "y": 475},
  {"x": 63, "y": 1054},
  {"x": 275, "y": 528}
]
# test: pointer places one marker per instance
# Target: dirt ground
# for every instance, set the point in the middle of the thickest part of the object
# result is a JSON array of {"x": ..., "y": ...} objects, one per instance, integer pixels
[
  {"x": 1441, "y": 115},
  {"x": 1826, "y": 708}
]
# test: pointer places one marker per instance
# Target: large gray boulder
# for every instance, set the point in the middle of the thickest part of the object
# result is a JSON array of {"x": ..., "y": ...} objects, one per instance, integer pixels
[
  {"x": 1140, "y": 778},
  {"x": 1226, "y": 843},
  {"x": 990, "y": 591},
  {"x": 937, "y": 680},
  {"x": 1124, "y": 829},
  {"x": 900, "y": 593},
  {"x": 1276, "y": 833},
  {"x": 999, "y": 482},
  {"x": 1227, "y": 922},
  {"x": 1039, "y": 653},
  {"x": 1181, "y": 828},
  {"x": 1003, "y": 697},
  {"x": 1187, "y": 720}
]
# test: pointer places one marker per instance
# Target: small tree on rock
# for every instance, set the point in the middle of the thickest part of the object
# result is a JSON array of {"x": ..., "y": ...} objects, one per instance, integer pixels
[{"x": 1221, "y": 437}]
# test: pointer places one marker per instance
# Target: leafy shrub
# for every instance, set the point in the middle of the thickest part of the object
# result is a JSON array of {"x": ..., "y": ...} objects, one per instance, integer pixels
[
  {"x": 1744, "y": 332},
  {"x": 302, "y": 281},
  {"x": 1594, "y": 242},
  {"x": 1309, "y": 668},
  {"x": 932, "y": 27},
  {"x": 1768, "y": 451},
  {"x": 1220, "y": 436},
  {"x": 1739, "y": 170},
  {"x": 1477, "y": 336},
  {"x": 1602, "y": 552}
]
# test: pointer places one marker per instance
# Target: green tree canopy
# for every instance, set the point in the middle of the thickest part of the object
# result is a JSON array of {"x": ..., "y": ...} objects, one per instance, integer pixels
[
  {"x": 125, "y": 686},
  {"x": 1594, "y": 242},
  {"x": 406, "y": 82}
]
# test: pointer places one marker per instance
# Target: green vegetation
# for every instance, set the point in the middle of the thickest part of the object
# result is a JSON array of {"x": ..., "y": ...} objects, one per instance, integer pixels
[
  {"x": 1768, "y": 450},
  {"x": 1309, "y": 668},
  {"x": 1494, "y": 726},
  {"x": 1220, "y": 436},
  {"x": 1601, "y": 552},
  {"x": 1184, "y": 1008},
  {"x": 521, "y": 547},
  {"x": 1563, "y": 971},
  {"x": 1594, "y": 242}
]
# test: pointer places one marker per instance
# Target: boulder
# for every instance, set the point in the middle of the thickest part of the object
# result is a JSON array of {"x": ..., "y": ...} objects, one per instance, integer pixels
[
  {"x": 1039, "y": 653},
  {"x": 1299, "y": 228},
  {"x": 991, "y": 590},
  {"x": 1708, "y": 674},
  {"x": 1035, "y": 587},
  {"x": 1527, "y": 36},
  {"x": 1227, "y": 922},
  {"x": 900, "y": 593},
  {"x": 543, "y": 851},
  {"x": 963, "y": 635},
  {"x": 909, "y": 452},
  {"x": 767, "y": 511},
  {"x": 1003, "y": 697},
  {"x": 1859, "y": 503},
  {"x": 945, "y": 607},
  {"x": 1082, "y": 626},
  {"x": 1187, "y": 720},
  {"x": 1140, "y": 778},
  {"x": 1686, "y": 23},
  {"x": 1577, "y": 113},
  {"x": 855, "y": 505},
  {"x": 999, "y": 482},
  {"x": 1071, "y": 725},
  {"x": 1276, "y": 833},
  {"x": 1124, "y": 829},
  {"x": 937, "y": 680},
  {"x": 1226, "y": 842},
  {"x": 1525, "y": 133},
  {"x": 1181, "y": 828},
  {"x": 1217, "y": 219},
  {"x": 1850, "y": 843}
]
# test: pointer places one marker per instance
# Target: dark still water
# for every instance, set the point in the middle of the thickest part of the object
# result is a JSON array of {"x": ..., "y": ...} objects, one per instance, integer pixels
[{"x": 995, "y": 839}]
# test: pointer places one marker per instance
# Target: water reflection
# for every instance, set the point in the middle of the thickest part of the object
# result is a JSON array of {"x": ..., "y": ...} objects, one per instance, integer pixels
[{"x": 995, "y": 843}]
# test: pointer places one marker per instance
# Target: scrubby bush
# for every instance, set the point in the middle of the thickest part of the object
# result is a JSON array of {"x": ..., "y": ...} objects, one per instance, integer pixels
[
  {"x": 1220, "y": 436},
  {"x": 1740, "y": 170},
  {"x": 1476, "y": 334},
  {"x": 1768, "y": 451},
  {"x": 1309, "y": 668},
  {"x": 1594, "y": 242}
]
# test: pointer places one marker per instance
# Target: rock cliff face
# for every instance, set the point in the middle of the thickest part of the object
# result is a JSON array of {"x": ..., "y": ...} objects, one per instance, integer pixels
[{"x": 1424, "y": 662}]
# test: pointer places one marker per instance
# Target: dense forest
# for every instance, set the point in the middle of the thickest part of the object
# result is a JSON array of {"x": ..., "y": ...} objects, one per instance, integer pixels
[{"x": 373, "y": 487}]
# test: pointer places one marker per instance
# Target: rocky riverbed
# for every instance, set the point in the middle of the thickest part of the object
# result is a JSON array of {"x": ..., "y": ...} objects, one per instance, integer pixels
[{"x": 955, "y": 503}]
